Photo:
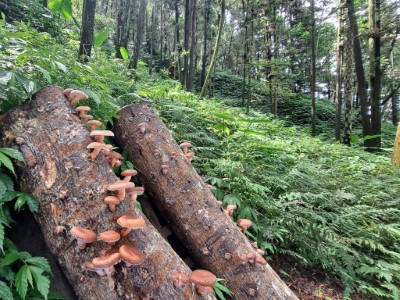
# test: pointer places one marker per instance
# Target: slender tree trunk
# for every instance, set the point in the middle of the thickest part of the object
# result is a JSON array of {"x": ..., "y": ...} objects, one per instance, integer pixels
[
  {"x": 313, "y": 73},
  {"x": 152, "y": 35},
  {"x": 207, "y": 8},
  {"x": 359, "y": 68},
  {"x": 339, "y": 64},
  {"x": 121, "y": 27},
  {"x": 186, "y": 42},
  {"x": 348, "y": 87},
  {"x": 192, "y": 65},
  {"x": 375, "y": 70},
  {"x": 139, "y": 34},
  {"x": 215, "y": 52},
  {"x": 85, "y": 48},
  {"x": 211, "y": 236},
  {"x": 45, "y": 3},
  {"x": 71, "y": 191},
  {"x": 245, "y": 4}
]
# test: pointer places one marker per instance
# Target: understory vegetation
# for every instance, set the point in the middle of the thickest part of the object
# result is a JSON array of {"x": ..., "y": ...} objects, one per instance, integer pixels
[{"x": 332, "y": 207}]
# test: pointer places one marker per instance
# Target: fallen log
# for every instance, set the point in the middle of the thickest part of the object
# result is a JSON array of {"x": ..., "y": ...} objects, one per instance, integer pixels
[
  {"x": 211, "y": 236},
  {"x": 71, "y": 191}
]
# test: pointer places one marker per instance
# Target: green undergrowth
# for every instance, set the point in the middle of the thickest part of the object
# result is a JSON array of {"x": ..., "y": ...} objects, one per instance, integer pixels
[{"x": 331, "y": 207}]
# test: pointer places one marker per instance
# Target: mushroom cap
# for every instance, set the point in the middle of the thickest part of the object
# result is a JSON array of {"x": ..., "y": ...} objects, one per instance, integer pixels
[
  {"x": 131, "y": 255},
  {"x": 102, "y": 133},
  {"x": 190, "y": 155},
  {"x": 185, "y": 145},
  {"x": 261, "y": 260},
  {"x": 131, "y": 222},
  {"x": 77, "y": 95},
  {"x": 94, "y": 122},
  {"x": 110, "y": 236},
  {"x": 82, "y": 108},
  {"x": 179, "y": 277},
  {"x": 106, "y": 261},
  {"x": 84, "y": 234},
  {"x": 68, "y": 91},
  {"x": 203, "y": 277},
  {"x": 129, "y": 172},
  {"x": 120, "y": 185},
  {"x": 244, "y": 223},
  {"x": 231, "y": 207},
  {"x": 137, "y": 190},
  {"x": 115, "y": 155},
  {"x": 112, "y": 200},
  {"x": 97, "y": 145},
  {"x": 164, "y": 167},
  {"x": 142, "y": 124}
]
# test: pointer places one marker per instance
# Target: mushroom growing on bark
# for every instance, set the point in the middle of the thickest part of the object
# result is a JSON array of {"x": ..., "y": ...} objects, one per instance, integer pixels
[
  {"x": 128, "y": 173},
  {"x": 82, "y": 110},
  {"x": 244, "y": 223},
  {"x": 179, "y": 279},
  {"x": 83, "y": 235},
  {"x": 97, "y": 147},
  {"x": 100, "y": 134},
  {"x": 110, "y": 237},
  {"x": 142, "y": 127},
  {"x": 120, "y": 186},
  {"x": 164, "y": 169},
  {"x": 185, "y": 146},
  {"x": 132, "y": 256},
  {"x": 113, "y": 159},
  {"x": 107, "y": 263},
  {"x": 68, "y": 91},
  {"x": 76, "y": 95},
  {"x": 230, "y": 209},
  {"x": 129, "y": 222},
  {"x": 93, "y": 124},
  {"x": 112, "y": 202},
  {"x": 189, "y": 157},
  {"x": 203, "y": 279},
  {"x": 134, "y": 192}
]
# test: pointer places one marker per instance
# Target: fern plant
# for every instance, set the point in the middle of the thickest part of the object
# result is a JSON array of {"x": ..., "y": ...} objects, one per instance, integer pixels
[{"x": 20, "y": 273}]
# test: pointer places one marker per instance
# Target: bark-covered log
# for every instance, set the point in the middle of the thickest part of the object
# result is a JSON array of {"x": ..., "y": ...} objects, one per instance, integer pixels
[
  {"x": 71, "y": 189},
  {"x": 212, "y": 237}
]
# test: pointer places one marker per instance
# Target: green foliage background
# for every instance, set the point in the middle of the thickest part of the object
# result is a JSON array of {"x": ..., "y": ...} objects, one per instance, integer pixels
[{"x": 329, "y": 206}]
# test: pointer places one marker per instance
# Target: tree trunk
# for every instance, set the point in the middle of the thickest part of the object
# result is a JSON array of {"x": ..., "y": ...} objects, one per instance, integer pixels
[
  {"x": 313, "y": 71},
  {"x": 45, "y": 3},
  {"x": 214, "y": 56},
  {"x": 339, "y": 64},
  {"x": 85, "y": 48},
  {"x": 375, "y": 69},
  {"x": 213, "y": 239},
  {"x": 207, "y": 8},
  {"x": 359, "y": 68},
  {"x": 192, "y": 66},
  {"x": 139, "y": 34},
  {"x": 186, "y": 41},
  {"x": 71, "y": 191},
  {"x": 348, "y": 80}
]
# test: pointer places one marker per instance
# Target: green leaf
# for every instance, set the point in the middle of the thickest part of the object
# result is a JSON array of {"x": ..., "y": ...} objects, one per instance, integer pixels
[
  {"x": 99, "y": 39},
  {"x": 21, "y": 281},
  {"x": 42, "y": 282},
  {"x": 124, "y": 53},
  {"x": 45, "y": 73},
  {"x": 10, "y": 196},
  {"x": 1, "y": 237},
  {"x": 61, "y": 66},
  {"x": 40, "y": 262},
  {"x": 5, "y": 292},
  {"x": 5, "y": 77},
  {"x": 6, "y": 162},
  {"x": 29, "y": 86},
  {"x": 13, "y": 153},
  {"x": 94, "y": 96},
  {"x": 61, "y": 7},
  {"x": 7, "y": 181},
  {"x": 10, "y": 258},
  {"x": 224, "y": 116},
  {"x": 33, "y": 204},
  {"x": 29, "y": 276}
]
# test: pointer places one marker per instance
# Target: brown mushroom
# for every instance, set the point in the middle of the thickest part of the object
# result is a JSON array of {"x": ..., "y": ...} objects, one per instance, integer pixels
[
  {"x": 68, "y": 91},
  {"x": 107, "y": 262},
  {"x": 128, "y": 173},
  {"x": 82, "y": 110},
  {"x": 230, "y": 209},
  {"x": 132, "y": 256},
  {"x": 110, "y": 237},
  {"x": 164, "y": 169},
  {"x": 142, "y": 127},
  {"x": 185, "y": 146},
  {"x": 189, "y": 157},
  {"x": 113, "y": 159},
  {"x": 112, "y": 202},
  {"x": 83, "y": 235},
  {"x": 244, "y": 223},
  {"x": 130, "y": 222},
  {"x": 93, "y": 124},
  {"x": 202, "y": 278},
  {"x": 97, "y": 147},
  {"x": 134, "y": 192},
  {"x": 100, "y": 134},
  {"x": 91, "y": 267},
  {"x": 76, "y": 95},
  {"x": 120, "y": 186}
]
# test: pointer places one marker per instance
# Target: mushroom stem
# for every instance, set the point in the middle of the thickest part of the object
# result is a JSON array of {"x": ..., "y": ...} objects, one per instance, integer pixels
[{"x": 125, "y": 231}]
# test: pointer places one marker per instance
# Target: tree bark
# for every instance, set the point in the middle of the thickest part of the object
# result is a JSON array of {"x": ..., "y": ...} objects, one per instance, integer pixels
[
  {"x": 139, "y": 34},
  {"x": 58, "y": 173},
  {"x": 88, "y": 14},
  {"x": 212, "y": 238},
  {"x": 207, "y": 8},
  {"x": 339, "y": 74},
  {"x": 45, "y": 3},
  {"x": 313, "y": 71}
]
